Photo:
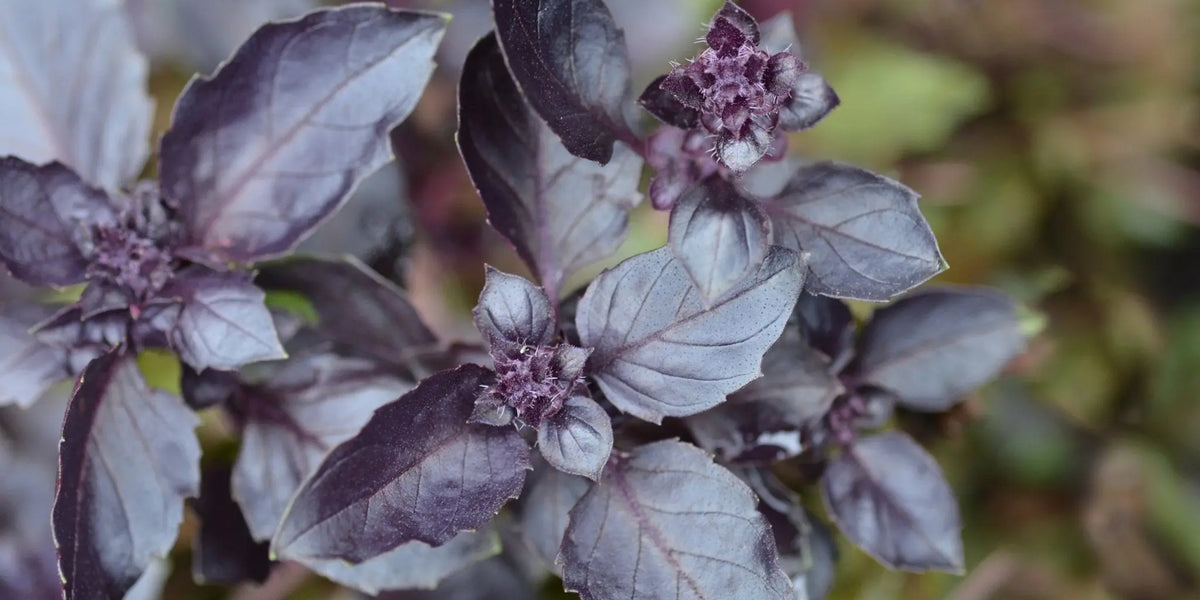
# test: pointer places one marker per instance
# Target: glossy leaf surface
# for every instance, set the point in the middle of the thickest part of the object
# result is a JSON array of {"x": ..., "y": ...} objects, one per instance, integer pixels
[
  {"x": 934, "y": 346},
  {"x": 73, "y": 88},
  {"x": 889, "y": 497},
  {"x": 416, "y": 471},
  {"x": 665, "y": 522},
  {"x": 571, "y": 62},
  {"x": 559, "y": 211},
  {"x": 865, "y": 234},
  {"x": 660, "y": 350},
  {"x": 269, "y": 146},
  {"x": 718, "y": 236},
  {"x": 127, "y": 450},
  {"x": 513, "y": 312},
  {"x": 577, "y": 439},
  {"x": 223, "y": 323}
]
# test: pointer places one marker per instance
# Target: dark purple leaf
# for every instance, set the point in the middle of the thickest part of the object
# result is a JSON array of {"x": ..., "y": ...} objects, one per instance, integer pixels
[
  {"x": 73, "y": 88},
  {"x": 718, "y": 236},
  {"x": 414, "y": 565},
  {"x": 571, "y": 62},
  {"x": 416, "y": 471},
  {"x": 512, "y": 312},
  {"x": 128, "y": 459},
  {"x": 207, "y": 388},
  {"x": 665, "y": 522},
  {"x": 559, "y": 211},
  {"x": 578, "y": 438},
  {"x": 224, "y": 551},
  {"x": 731, "y": 27},
  {"x": 666, "y": 107},
  {"x": 934, "y": 346},
  {"x": 545, "y": 507},
  {"x": 659, "y": 350},
  {"x": 28, "y": 366},
  {"x": 812, "y": 99},
  {"x": 866, "y": 237},
  {"x": 355, "y": 306},
  {"x": 308, "y": 407},
  {"x": 46, "y": 212},
  {"x": 223, "y": 323},
  {"x": 888, "y": 496},
  {"x": 828, "y": 327},
  {"x": 269, "y": 146},
  {"x": 761, "y": 422}
]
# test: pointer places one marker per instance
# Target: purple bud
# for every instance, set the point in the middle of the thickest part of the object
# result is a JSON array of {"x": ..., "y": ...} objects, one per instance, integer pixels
[{"x": 731, "y": 28}]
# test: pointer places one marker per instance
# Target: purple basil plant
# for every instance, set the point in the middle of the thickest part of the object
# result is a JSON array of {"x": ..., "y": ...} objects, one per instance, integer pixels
[{"x": 630, "y": 438}]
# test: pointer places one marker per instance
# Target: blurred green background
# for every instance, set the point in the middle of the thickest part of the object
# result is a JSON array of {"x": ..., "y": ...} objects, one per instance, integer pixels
[{"x": 1056, "y": 144}]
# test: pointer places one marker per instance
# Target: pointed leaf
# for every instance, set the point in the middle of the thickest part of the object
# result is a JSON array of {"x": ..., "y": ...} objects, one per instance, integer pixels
[
  {"x": 889, "y": 497},
  {"x": 665, "y": 522},
  {"x": 559, "y": 211},
  {"x": 269, "y": 146},
  {"x": 545, "y": 507},
  {"x": 866, "y": 237},
  {"x": 355, "y": 306},
  {"x": 513, "y": 312},
  {"x": 73, "y": 88},
  {"x": 293, "y": 420},
  {"x": 933, "y": 347},
  {"x": 571, "y": 62},
  {"x": 660, "y": 351},
  {"x": 128, "y": 459},
  {"x": 416, "y": 471},
  {"x": 46, "y": 212},
  {"x": 718, "y": 236},
  {"x": 28, "y": 366},
  {"x": 578, "y": 438},
  {"x": 666, "y": 107},
  {"x": 415, "y": 565},
  {"x": 224, "y": 551},
  {"x": 223, "y": 323}
]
